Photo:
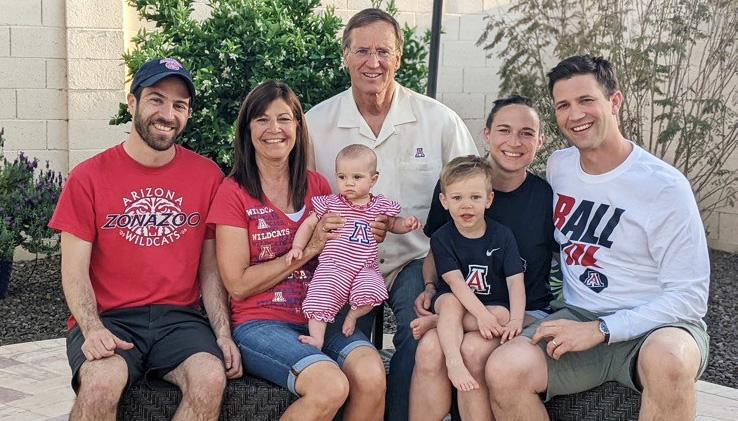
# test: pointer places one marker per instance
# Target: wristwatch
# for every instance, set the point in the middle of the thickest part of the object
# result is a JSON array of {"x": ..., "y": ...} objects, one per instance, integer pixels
[{"x": 604, "y": 330}]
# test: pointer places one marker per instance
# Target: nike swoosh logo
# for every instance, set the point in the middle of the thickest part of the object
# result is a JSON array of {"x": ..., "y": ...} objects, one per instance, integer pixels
[{"x": 489, "y": 252}]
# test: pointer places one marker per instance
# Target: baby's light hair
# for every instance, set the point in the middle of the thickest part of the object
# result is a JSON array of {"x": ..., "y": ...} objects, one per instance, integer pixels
[
  {"x": 464, "y": 167},
  {"x": 357, "y": 150}
]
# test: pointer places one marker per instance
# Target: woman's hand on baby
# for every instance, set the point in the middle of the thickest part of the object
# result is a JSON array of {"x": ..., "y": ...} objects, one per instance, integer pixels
[
  {"x": 379, "y": 227},
  {"x": 488, "y": 325},
  {"x": 324, "y": 231},
  {"x": 512, "y": 329},
  {"x": 329, "y": 224}
]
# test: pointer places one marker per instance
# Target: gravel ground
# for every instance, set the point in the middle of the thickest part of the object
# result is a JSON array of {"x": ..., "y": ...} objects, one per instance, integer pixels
[{"x": 35, "y": 310}]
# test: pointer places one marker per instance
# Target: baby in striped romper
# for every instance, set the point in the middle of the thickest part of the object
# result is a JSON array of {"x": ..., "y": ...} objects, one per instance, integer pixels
[{"x": 348, "y": 270}]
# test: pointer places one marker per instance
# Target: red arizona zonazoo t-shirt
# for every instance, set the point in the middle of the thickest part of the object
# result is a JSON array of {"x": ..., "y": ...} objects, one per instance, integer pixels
[
  {"x": 270, "y": 235},
  {"x": 146, "y": 226}
]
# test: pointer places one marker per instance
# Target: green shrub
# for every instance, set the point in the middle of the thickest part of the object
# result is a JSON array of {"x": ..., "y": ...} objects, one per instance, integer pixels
[
  {"x": 677, "y": 63},
  {"x": 244, "y": 42},
  {"x": 28, "y": 196}
]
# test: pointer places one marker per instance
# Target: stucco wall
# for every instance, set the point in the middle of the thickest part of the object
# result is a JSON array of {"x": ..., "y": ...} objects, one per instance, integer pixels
[{"x": 62, "y": 78}]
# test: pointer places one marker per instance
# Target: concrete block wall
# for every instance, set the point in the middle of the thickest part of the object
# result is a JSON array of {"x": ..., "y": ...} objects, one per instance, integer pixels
[
  {"x": 33, "y": 105},
  {"x": 61, "y": 77}
]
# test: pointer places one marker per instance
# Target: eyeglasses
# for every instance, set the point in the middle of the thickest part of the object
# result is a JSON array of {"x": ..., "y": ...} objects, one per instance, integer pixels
[{"x": 382, "y": 54}]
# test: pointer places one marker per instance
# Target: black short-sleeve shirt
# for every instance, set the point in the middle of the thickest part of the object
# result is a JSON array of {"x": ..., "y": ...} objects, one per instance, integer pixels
[
  {"x": 485, "y": 262},
  {"x": 528, "y": 212}
]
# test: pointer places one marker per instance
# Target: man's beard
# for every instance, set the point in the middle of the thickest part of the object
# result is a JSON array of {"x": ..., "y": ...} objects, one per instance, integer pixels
[{"x": 156, "y": 142}]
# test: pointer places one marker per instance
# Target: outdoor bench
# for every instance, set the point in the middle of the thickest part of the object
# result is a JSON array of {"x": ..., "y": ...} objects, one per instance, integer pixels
[{"x": 253, "y": 399}]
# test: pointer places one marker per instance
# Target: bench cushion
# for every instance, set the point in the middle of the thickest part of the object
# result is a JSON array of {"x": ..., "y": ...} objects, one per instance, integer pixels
[
  {"x": 608, "y": 402},
  {"x": 247, "y": 398}
]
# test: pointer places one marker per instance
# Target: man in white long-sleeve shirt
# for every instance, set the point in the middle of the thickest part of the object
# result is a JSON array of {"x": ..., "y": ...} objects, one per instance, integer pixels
[{"x": 635, "y": 265}]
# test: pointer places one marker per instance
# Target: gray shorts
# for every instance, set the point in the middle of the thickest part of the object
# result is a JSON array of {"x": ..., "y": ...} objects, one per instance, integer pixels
[{"x": 578, "y": 371}]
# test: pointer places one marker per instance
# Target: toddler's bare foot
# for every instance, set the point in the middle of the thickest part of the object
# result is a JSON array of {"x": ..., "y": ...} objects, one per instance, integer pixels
[
  {"x": 309, "y": 340},
  {"x": 349, "y": 324},
  {"x": 421, "y": 325},
  {"x": 460, "y": 376}
]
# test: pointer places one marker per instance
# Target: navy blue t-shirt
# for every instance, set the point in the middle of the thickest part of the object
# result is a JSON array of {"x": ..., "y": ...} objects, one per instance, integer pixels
[
  {"x": 485, "y": 262},
  {"x": 528, "y": 212}
]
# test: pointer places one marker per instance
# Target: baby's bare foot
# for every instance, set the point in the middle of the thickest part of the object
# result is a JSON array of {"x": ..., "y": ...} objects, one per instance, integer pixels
[
  {"x": 460, "y": 376},
  {"x": 309, "y": 340},
  {"x": 421, "y": 325}
]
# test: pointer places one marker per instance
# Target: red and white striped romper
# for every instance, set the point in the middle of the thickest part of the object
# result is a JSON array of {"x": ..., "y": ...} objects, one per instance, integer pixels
[{"x": 348, "y": 270}]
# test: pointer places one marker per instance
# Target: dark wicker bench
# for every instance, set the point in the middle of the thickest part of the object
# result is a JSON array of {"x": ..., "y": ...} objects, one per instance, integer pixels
[
  {"x": 254, "y": 399},
  {"x": 247, "y": 398}
]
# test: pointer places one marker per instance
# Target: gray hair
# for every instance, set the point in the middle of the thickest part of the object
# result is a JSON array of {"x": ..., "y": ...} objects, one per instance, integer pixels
[{"x": 367, "y": 17}]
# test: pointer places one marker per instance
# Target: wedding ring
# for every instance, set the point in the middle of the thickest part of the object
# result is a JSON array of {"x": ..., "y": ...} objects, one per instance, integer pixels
[{"x": 553, "y": 341}]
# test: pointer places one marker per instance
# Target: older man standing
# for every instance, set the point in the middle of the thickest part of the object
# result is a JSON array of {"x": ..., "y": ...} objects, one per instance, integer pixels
[{"x": 413, "y": 137}]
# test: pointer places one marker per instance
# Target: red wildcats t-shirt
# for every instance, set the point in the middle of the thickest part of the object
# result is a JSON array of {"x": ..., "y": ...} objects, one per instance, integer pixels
[
  {"x": 146, "y": 225},
  {"x": 270, "y": 235}
]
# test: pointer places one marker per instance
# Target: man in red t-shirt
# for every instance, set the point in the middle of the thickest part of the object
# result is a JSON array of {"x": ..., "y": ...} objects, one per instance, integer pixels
[{"x": 136, "y": 256}]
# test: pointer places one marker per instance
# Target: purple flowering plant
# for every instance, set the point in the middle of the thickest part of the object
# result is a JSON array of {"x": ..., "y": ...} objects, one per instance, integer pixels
[{"x": 28, "y": 196}]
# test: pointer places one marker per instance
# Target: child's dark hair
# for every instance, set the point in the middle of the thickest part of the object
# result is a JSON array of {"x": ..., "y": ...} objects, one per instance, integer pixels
[
  {"x": 463, "y": 167},
  {"x": 585, "y": 64},
  {"x": 501, "y": 103}
]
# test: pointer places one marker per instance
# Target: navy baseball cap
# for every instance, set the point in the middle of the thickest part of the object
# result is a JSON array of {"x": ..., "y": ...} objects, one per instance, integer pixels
[{"x": 151, "y": 72}]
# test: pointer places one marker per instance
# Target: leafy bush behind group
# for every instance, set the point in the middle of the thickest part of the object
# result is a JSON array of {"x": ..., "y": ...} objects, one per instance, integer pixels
[{"x": 241, "y": 44}]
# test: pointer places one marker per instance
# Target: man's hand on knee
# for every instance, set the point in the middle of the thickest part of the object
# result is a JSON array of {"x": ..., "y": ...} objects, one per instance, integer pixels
[
  {"x": 101, "y": 343},
  {"x": 423, "y": 302},
  {"x": 231, "y": 357},
  {"x": 568, "y": 336}
]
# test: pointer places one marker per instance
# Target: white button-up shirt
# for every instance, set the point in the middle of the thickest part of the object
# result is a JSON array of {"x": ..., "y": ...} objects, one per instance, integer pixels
[{"x": 418, "y": 136}]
